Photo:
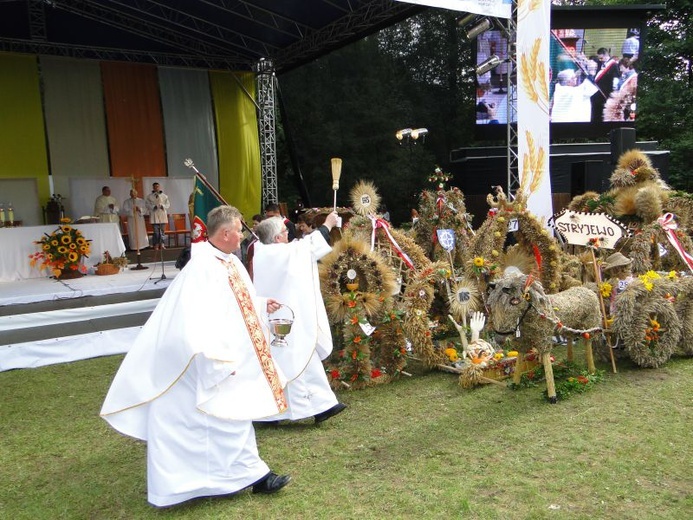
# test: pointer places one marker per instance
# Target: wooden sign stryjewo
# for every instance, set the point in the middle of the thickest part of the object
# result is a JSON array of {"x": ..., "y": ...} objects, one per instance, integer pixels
[{"x": 589, "y": 229}]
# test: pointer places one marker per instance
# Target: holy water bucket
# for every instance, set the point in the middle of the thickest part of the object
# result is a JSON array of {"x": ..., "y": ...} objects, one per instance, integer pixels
[{"x": 280, "y": 328}]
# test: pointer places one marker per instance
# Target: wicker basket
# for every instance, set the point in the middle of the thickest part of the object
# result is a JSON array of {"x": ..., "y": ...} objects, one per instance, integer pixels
[{"x": 106, "y": 269}]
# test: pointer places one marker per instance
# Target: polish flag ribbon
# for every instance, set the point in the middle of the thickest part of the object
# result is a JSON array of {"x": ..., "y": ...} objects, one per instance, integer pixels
[
  {"x": 385, "y": 226},
  {"x": 669, "y": 226}
]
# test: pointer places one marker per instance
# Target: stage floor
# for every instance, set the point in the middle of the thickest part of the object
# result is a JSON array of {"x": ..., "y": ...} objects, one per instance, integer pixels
[
  {"x": 44, "y": 321},
  {"x": 48, "y": 289}
]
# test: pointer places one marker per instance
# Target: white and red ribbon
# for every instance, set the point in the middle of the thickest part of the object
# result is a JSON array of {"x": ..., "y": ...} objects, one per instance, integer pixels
[
  {"x": 385, "y": 226},
  {"x": 669, "y": 226}
]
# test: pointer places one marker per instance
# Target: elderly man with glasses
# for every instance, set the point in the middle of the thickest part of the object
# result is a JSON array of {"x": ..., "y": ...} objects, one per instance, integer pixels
[{"x": 288, "y": 272}]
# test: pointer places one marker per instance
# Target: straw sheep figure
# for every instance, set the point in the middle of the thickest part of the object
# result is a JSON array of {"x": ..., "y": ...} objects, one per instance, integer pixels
[{"x": 518, "y": 305}]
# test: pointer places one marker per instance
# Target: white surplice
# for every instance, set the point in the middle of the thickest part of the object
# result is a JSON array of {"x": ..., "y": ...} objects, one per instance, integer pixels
[
  {"x": 136, "y": 224},
  {"x": 102, "y": 208},
  {"x": 289, "y": 274},
  {"x": 197, "y": 375}
]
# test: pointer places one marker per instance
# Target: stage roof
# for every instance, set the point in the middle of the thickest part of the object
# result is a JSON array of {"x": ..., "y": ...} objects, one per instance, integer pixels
[{"x": 210, "y": 34}]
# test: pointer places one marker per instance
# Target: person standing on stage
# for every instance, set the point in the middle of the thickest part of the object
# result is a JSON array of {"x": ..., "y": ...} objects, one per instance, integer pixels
[
  {"x": 106, "y": 206},
  {"x": 198, "y": 374},
  {"x": 157, "y": 203},
  {"x": 134, "y": 208},
  {"x": 288, "y": 272}
]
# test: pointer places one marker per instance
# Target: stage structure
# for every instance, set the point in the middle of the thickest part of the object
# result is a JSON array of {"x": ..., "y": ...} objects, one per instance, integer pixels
[
  {"x": 265, "y": 81},
  {"x": 511, "y": 88}
]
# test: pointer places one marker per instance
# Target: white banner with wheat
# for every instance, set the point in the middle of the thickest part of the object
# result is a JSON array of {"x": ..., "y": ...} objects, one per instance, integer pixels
[{"x": 533, "y": 41}]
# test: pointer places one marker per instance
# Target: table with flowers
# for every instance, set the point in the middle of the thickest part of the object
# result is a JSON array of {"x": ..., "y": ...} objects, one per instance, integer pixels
[{"x": 17, "y": 244}]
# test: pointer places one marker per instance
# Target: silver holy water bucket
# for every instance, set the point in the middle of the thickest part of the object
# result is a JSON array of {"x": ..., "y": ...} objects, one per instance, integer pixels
[{"x": 280, "y": 328}]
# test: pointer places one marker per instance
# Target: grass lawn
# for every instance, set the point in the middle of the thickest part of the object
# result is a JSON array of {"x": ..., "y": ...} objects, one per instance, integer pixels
[{"x": 421, "y": 447}]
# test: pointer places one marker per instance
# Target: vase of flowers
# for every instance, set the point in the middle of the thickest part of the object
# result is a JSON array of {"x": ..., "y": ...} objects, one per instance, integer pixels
[{"x": 62, "y": 252}]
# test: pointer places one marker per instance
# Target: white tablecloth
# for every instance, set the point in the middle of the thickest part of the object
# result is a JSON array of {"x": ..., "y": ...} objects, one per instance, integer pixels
[{"x": 16, "y": 244}]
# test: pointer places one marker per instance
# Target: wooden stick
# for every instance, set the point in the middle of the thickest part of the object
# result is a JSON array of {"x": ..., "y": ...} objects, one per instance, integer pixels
[
  {"x": 494, "y": 381},
  {"x": 405, "y": 373},
  {"x": 345, "y": 384},
  {"x": 598, "y": 277}
]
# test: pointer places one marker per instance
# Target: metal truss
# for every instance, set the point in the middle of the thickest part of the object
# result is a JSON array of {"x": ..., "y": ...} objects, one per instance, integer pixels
[
  {"x": 112, "y": 54},
  {"x": 354, "y": 24},
  {"x": 37, "y": 20},
  {"x": 227, "y": 34},
  {"x": 265, "y": 82},
  {"x": 511, "y": 88}
]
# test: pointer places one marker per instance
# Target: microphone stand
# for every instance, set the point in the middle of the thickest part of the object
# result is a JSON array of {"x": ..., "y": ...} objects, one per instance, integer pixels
[{"x": 163, "y": 274}]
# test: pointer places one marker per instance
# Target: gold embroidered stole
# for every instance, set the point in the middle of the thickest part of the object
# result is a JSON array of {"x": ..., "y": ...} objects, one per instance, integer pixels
[{"x": 257, "y": 338}]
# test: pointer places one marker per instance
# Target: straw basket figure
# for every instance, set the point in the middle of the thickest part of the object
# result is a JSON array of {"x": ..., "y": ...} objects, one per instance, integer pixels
[{"x": 518, "y": 305}]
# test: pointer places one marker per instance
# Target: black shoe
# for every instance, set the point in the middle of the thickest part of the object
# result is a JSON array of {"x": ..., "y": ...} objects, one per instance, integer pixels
[
  {"x": 271, "y": 483},
  {"x": 331, "y": 412}
]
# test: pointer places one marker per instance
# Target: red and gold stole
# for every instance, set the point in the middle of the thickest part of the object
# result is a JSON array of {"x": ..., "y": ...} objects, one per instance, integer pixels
[{"x": 252, "y": 324}]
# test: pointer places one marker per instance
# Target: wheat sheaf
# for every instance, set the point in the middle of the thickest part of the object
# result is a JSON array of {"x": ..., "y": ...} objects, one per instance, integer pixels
[
  {"x": 533, "y": 166},
  {"x": 533, "y": 73},
  {"x": 525, "y": 7}
]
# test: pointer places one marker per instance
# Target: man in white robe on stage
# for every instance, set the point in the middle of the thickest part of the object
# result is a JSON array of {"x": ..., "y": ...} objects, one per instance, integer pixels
[
  {"x": 288, "y": 272},
  {"x": 198, "y": 374},
  {"x": 134, "y": 209},
  {"x": 106, "y": 206}
]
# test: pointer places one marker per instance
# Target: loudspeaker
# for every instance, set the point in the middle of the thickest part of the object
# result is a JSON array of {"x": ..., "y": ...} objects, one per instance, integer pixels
[
  {"x": 588, "y": 176},
  {"x": 622, "y": 140}
]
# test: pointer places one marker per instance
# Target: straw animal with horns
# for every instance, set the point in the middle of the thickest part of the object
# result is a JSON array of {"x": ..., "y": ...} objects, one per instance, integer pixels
[{"x": 518, "y": 305}]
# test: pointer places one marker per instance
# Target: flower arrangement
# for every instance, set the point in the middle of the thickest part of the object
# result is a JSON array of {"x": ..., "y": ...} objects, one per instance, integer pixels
[{"x": 62, "y": 251}]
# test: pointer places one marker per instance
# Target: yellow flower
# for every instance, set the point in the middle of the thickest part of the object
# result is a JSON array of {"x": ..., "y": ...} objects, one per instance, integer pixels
[
  {"x": 478, "y": 261},
  {"x": 494, "y": 253},
  {"x": 72, "y": 256},
  {"x": 501, "y": 219},
  {"x": 498, "y": 356},
  {"x": 66, "y": 239},
  {"x": 46, "y": 247},
  {"x": 66, "y": 229},
  {"x": 451, "y": 353},
  {"x": 513, "y": 353},
  {"x": 672, "y": 275},
  {"x": 81, "y": 240},
  {"x": 54, "y": 242},
  {"x": 605, "y": 288},
  {"x": 56, "y": 272},
  {"x": 62, "y": 250},
  {"x": 65, "y": 220},
  {"x": 497, "y": 234},
  {"x": 648, "y": 285}
]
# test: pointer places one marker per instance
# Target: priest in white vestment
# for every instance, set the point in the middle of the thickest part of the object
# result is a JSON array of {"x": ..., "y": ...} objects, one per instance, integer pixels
[
  {"x": 134, "y": 209},
  {"x": 198, "y": 374},
  {"x": 288, "y": 272},
  {"x": 106, "y": 206}
]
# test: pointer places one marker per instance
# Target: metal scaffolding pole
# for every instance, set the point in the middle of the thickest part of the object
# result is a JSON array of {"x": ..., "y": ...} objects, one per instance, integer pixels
[
  {"x": 265, "y": 81},
  {"x": 511, "y": 88}
]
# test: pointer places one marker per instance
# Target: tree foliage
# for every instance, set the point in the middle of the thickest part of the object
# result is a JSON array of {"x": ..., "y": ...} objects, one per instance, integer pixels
[{"x": 350, "y": 103}]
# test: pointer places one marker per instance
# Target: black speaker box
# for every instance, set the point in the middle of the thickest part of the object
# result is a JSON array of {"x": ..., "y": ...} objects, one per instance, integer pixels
[
  {"x": 622, "y": 140},
  {"x": 588, "y": 176}
]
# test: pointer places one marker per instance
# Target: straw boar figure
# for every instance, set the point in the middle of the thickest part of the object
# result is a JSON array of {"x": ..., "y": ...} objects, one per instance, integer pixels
[{"x": 518, "y": 305}]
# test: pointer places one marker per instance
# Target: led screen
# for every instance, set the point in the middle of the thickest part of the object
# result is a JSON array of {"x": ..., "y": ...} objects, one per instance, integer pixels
[{"x": 593, "y": 76}]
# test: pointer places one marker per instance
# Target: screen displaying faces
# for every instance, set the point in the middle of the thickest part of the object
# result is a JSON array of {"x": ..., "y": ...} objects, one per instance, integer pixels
[{"x": 593, "y": 76}]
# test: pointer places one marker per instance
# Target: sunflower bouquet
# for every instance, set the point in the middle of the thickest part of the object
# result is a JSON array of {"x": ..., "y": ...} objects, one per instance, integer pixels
[{"x": 62, "y": 251}]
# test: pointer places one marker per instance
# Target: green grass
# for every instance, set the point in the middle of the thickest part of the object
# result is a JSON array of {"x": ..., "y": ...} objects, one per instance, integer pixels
[{"x": 421, "y": 447}]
